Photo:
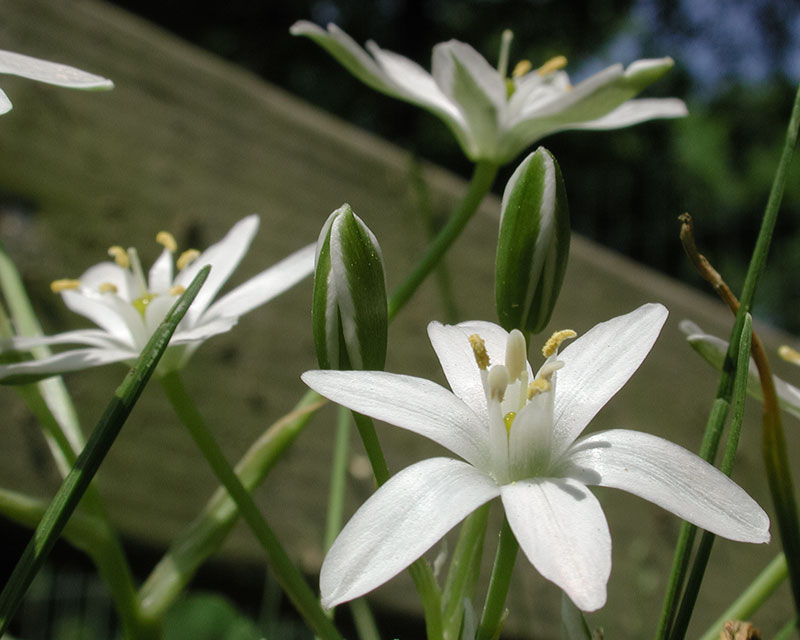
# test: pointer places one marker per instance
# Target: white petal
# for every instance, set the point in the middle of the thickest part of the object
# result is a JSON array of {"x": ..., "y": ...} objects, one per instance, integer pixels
[
  {"x": 160, "y": 276},
  {"x": 110, "y": 273},
  {"x": 224, "y": 257},
  {"x": 63, "y": 362},
  {"x": 671, "y": 477},
  {"x": 342, "y": 47},
  {"x": 51, "y": 72},
  {"x": 109, "y": 312},
  {"x": 562, "y": 529},
  {"x": 156, "y": 310},
  {"x": 415, "y": 404},
  {"x": 596, "y": 366},
  {"x": 713, "y": 349},
  {"x": 90, "y": 337},
  {"x": 399, "y": 523},
  {"x": 5, "y": 103},
  {"x": 265, "y": 286},
  {"x": 203, "y": 331},
  {"x": 636, "y": 111}
]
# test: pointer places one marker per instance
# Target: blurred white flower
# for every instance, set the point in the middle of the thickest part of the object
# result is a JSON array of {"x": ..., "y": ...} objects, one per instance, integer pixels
[
  {"x": 493, "y": 117},
  {"x": 517, "y": 434},
  {"x": 127, "y": 307},
  {"x": 17, "y": 64}
]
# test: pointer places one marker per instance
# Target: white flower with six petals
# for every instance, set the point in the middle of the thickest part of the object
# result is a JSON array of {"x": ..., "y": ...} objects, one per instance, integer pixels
[
  {"x": 518, "y": 436},
  {"x": 127, "y": 307},
  {"x": 492, "y": 119}
]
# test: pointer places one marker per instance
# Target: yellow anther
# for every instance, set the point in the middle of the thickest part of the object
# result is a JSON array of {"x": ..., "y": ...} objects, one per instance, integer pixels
[
  {"x": 479, "y": 349},
  {"x": 177, "y": 290},
  {"x": 508, "y": 420},
  {"x": 554, "y": 342},
  {"x": 107, "y": 287},
  {"x": 120, "y": 256},
  {"x": 553, "y": 64},
  {"x": 167, "y": 240},
  {"x": 540, "y": 385},
  {"x": 57, "y": 286},
  {"x": 521, "y": 68},
  {"x": 789, "y": 354},
  {"x": 186, "y": 258}
]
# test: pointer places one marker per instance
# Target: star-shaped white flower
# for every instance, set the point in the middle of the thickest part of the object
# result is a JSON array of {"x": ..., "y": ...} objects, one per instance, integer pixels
[
  {"x": 517, "y": 435},
  {"x": 495, "y": 118},
  {"x": 127, "y": 307},
  {"x": 17, "y": 64}
]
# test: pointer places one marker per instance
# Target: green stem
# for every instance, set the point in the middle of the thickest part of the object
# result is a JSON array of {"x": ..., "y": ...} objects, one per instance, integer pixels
[
  {"x": 290, "y": 578},
  {"x": 207, "y": 532},
  {"x": 753, "y": 597},
  {"x": 366, "y": 429},
  {"x": 493, "y": 616},
  {"x": 482, "y": 179},
  {"x": 75, "y": 484},
  {"x": 703, "y": 554},
  {"x": 430, "y": 596},
  {"x": 341, "y": 450},
  {"x": 788, "y": 630},
  {"x": 364, "y": 621},
  {"x": 462, "y": 575}
]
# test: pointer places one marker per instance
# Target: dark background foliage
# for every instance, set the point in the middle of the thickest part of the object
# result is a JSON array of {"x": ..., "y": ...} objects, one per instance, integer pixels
[{"x": 737, "y": 62}]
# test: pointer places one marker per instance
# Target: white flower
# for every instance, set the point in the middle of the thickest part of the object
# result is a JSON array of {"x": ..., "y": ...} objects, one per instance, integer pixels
[
  {"x": 714, "y": 349},
  {"x": 127, "y": 307},
  {"x": 518, "y": 441},
  {"x": 17, "y": 64},
  {"x": 492, "y": 117}
]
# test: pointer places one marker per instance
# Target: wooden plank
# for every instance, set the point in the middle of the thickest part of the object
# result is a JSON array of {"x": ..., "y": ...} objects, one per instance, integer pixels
[{"x": 189, "y": 143}]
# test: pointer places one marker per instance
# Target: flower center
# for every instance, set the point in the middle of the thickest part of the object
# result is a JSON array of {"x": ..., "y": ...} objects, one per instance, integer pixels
[{"x": 128, "y": 259}]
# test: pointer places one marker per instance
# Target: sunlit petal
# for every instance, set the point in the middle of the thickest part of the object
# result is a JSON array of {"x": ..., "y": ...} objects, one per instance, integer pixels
[
  {"x": 670, "y": 476},
  {"x": 561, "y": 528},
  {"x": 399, "y": 523}
]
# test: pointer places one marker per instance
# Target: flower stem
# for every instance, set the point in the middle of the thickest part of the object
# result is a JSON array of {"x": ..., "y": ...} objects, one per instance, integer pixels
[
  {"x": 341, "y": 450},
  {"x": 753, "y": 597},
  {"x": 290, "y": 578},
  {"x": 366, "y": 429},
  {"x": 480, "y": 183},
  {"x": 493, "y": 610}
]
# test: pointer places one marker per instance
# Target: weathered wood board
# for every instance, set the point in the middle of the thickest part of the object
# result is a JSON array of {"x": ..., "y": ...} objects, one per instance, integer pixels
[{"x": 189, "y": 143}]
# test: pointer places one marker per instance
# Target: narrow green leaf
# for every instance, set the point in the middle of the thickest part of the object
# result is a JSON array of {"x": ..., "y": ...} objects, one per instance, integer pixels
[
  {"x": 573, "y": 624},
  {"x": 78, "y": 479}
]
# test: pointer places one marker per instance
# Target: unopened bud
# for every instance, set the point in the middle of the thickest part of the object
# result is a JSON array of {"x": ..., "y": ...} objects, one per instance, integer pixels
[
  {"x": 349, "y": 307},
  {"x": 533, "y": 244}
]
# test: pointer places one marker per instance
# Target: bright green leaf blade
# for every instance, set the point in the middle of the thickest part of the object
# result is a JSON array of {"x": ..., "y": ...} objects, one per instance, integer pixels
[{"x": 78, "y": 479}]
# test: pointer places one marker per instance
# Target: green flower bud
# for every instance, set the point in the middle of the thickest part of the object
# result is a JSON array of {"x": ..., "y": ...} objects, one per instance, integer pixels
[
  {"x": 349, "y": 307},
  {"x": 533, "y": 244}
]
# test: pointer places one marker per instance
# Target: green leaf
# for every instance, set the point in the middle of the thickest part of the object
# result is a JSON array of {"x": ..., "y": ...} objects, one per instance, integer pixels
[{"x": 208, "y": 617}]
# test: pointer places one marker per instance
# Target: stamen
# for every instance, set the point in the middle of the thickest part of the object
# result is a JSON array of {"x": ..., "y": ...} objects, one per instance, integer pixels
[
  {"x": 508, "y": 419},
  {"x": 554, "y": 342},
  {"x": 789, "y": 354},
  {"x": 540, "y": 385},
  {"x": 479, "y": 349},
  {"x": 177, "y": 290},
  {"x": 521, "y": 68},
  {"x": 547, "y": 371},
  {"x": 107, "y": 287},
  {"x": 186, "y": 258},
  {"x": 167, "y": 240},
  {"x": 505, "y": 46},
  {"x": 136, "y": 269},
  {"x": 553, "y": 64},
  {"x": 498, "y": 382},
  {"x": 120, "y": 256},
  {"x": 516, "y": 354},
  {"x": 57, "y": 286}
]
